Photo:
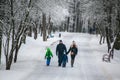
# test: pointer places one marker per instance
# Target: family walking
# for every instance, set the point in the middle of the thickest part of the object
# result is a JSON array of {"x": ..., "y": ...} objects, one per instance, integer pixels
[{"x": 61, "y": 52}]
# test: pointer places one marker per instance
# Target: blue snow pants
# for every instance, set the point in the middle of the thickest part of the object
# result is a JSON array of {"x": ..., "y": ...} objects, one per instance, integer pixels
[{"x": 48, "y": 61}]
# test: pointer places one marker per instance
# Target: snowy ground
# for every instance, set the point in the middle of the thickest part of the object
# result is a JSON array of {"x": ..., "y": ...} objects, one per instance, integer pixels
[{"x": 88, "y": 64}]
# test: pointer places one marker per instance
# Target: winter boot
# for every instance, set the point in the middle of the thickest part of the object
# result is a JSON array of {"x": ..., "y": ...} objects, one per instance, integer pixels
[
  {"x": 64, "y": 65},
  {"x": 59, "y": 64}
]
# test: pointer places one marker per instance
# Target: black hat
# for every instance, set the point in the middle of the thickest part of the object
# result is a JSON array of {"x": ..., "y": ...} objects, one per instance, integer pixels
[{"x": 60, "y": 41}]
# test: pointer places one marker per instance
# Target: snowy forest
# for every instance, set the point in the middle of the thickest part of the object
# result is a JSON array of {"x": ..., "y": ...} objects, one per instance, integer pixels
[{"x": 22, "y": 18}]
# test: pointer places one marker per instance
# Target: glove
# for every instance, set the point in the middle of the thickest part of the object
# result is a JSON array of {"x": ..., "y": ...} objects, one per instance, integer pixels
[{"x": 66, "y": 53}]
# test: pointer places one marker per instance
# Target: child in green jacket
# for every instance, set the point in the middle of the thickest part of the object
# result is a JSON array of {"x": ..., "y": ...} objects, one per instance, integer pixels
[{"x": 48, "y": 56}]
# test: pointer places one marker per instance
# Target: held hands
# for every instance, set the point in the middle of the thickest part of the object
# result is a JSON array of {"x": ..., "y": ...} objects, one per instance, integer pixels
[{"x": 66, "y": 53}]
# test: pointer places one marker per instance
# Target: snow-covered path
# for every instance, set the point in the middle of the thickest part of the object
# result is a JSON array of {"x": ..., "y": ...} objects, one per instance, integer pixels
[{"x": 88, "y": 63}]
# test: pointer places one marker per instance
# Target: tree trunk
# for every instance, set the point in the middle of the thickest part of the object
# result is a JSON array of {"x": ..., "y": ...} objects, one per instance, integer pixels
[
  {"x": 49, "y": 26},
  {"x": 44, "y": 27},
  {"x": 10, "y": 57},
  {"x": 0, "y": 44},
  {"x": 17, "y": 50},
  {"x": 80, "y": 25},
  {"x": 41, "y": 31},
  {"x": 107, "y": 39},
  {"x": 8, "y": 65},
  {"x": 16, "y": 53},
  {"x": 103, "y": 39},
  {"x": 9, "y": 60},
  {"x": 68, "y": 22},
  {"x": 2, "y": 15},
  {"x": 21, "y": 39},
  {"x": 40, "y": 27},
  {"x": 100, "y": 42},
  {"x": 35, "y": 32},
  {"x": 30, "y": 31}
]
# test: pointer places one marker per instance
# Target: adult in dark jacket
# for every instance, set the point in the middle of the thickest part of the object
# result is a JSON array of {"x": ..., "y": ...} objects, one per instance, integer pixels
[
  {"x": 73, "y": 50},
  {"x": 60, "y": 50}
]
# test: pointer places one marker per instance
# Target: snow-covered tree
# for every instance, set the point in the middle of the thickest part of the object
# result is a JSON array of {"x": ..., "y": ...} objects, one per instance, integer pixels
[
  {"x": 14, "y": 28},
  {"x": 105, "y": 15}
]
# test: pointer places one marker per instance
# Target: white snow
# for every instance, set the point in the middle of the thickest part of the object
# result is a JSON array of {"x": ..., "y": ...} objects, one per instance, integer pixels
[{"x": 88, "y": 63}]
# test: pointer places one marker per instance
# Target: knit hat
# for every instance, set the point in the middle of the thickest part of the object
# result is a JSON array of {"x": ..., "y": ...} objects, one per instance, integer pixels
[{"x": 60, "y": 41}]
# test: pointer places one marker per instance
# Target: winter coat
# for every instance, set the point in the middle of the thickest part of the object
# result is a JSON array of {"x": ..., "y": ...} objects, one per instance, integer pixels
[
  {"x": 60, "y": 49},
  {"x": 73, "y": 50},
  {"x": 48, "y": 54},
  {"x": 65, "y": 58}
]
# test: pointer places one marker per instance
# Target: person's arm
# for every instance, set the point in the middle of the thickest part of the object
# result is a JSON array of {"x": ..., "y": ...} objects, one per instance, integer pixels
[
  {"x": 65, "y": 49},
  {"x": 57, "y": 50},
  {"x": 69, "y": 50},
  {"x": 67, "y": 58},
  {"x": 76, "y": 51}
]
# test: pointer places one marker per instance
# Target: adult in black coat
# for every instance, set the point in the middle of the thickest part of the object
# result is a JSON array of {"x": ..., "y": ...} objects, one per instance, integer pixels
[
  {"x": 60, "y": 50},
  {"x": 73, "y": 50}
]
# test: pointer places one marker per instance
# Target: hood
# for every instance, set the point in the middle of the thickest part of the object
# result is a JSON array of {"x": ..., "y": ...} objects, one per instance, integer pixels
[{"x": 48, "y": 49}]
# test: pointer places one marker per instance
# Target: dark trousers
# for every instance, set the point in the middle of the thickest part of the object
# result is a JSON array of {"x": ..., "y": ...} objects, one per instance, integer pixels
[
  {"x": 72, "y": 60},
  {"x": 72, "y": 57},
  {"x": 60, "y": 60}
]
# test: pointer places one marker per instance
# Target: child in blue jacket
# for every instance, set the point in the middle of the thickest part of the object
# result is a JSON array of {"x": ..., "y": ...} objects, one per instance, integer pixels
[{"x": 64, "y": 60}]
